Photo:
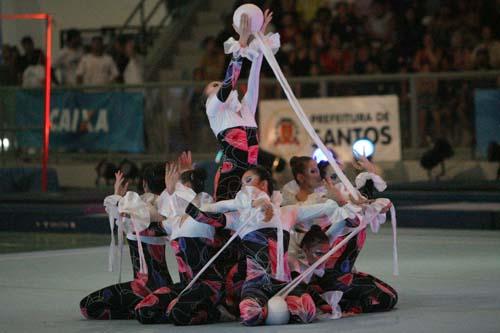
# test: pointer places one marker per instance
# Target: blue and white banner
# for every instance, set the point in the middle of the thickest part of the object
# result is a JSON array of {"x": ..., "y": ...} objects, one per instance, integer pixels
[
  {"x": 487, "y": 111},
  {"x": 107, "y": 121}
]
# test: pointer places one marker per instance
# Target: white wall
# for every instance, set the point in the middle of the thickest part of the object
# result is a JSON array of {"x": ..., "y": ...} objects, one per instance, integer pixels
[
  {"x": 67, "y": 14},
  {"x": 13, "y": 31}
]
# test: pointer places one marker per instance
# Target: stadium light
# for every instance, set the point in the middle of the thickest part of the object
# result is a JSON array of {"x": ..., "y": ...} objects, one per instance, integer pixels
[{"x": 363, "y": 147}]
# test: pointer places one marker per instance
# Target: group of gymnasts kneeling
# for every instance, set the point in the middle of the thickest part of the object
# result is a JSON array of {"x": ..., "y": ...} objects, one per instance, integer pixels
[
  {"x": 279, "y": 235},
  {"x": 261, "y": 238}
]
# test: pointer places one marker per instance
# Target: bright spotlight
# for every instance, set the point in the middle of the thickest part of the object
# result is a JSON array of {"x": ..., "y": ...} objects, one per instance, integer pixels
[
  {"x": 319, "y": 156},
  {"x": 5, "y": 143},
  {"x": 363, "y": 147}
]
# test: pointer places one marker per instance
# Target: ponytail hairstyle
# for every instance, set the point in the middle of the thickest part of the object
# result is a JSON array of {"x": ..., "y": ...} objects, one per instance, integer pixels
[
  {"x": 196, "y": 177},
  {"x": 154, "y": 176},
  {"x": 299, "y": 165},
  {"x": 264, "y": 174},
  {"x": 314, "y": 236}
]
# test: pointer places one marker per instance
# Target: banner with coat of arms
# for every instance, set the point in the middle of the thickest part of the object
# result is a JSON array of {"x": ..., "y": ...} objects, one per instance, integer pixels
[{"x": 339, "y": 122}]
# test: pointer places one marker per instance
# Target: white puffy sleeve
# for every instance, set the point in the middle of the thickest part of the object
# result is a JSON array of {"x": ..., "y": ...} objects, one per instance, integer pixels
[
  {"x": 111, "y": 206},
  {"x": 222, "y": 206},
  {"x": 378, "y": 182},
  {"x": 132, "y": 205},
  {"x": 309, "y": 212},
  {"x": 165, "y": 204}
]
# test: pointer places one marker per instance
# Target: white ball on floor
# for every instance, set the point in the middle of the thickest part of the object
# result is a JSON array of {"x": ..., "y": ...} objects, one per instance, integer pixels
[
  {"x": 254, "y": 13},
  {"x": 277, "y": 311}
]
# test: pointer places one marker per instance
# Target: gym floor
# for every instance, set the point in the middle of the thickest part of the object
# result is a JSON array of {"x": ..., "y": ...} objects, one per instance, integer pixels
[{"x": 449, "y": 282}]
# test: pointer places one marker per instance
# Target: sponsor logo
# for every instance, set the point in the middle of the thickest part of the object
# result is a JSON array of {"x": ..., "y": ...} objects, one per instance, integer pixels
[{"x": 286, "y": 132}]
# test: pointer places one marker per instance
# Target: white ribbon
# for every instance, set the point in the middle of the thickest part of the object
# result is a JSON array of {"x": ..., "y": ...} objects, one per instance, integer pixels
[
  {"x": 300, "y": 112},
  {"x": 276, "y": 200},
  {"x": 332, "y": 298},
  {"x": 271, "y": 40},
  {"x": 132, "y": 205},
  {"x": 112, "y": 245},
  {"x": 121, "y": 242},
  {"x": 395, "y": 265},
  {"x": 375, "y": 218},
  {"x": 232, "y": 46},
  {"x": 111, "y": 207}
]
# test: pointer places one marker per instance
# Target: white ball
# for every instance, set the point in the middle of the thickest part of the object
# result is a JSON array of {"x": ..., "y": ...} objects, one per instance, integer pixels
[
  {"x": 254, "y": 13},
  {"x": 277, "y": 311}
]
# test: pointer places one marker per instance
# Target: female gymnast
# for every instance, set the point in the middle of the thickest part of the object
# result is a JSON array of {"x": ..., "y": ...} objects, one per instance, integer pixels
[
  {"x": 362, "y": 292},
  {"x": 233, "y": 122},
  {"x": 264, "y": 244},
  {"x": 119, "y": 300}
]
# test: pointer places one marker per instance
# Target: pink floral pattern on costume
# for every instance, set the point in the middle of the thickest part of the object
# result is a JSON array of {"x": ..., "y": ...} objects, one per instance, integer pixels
[
  {"x": 302, "y": 308},
  {"x": 361, "y": 292},
  {"x": 252, "y": 311},
  {"x": 361, "y": 239},
  {"x": 385, "y": 289},
  {"x": 237, "y": 138},
  {"x": 253, "y": 154},
  {"x": 139, "y": 286},
  {"x": 157, "y": 252},
  {"x": 273, "y": 257},
  {"x": 118, "y": 301},
  {"x": 254, "y": 270},
  {"x": 150, "y": 300},
  {"x": 240, "y": 146}
]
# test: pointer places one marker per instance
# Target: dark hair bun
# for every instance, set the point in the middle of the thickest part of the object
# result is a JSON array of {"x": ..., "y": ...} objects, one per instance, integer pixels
[
  {"x": 299, "y": 165},
  {"x": 154, "y": 176},
  {"x": 315, "y": 235},
  {"x": 196, "y": 177},
  {"x": 315, "y": 228},
  {"x": 293, "y": 161}
]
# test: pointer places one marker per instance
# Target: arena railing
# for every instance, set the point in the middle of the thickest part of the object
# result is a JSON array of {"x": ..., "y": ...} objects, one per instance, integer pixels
[{"x": 431, "y": 105}]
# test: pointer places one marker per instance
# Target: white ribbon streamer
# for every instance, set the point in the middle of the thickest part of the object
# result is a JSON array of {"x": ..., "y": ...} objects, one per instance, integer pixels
[
  {"x": 133, "y": 205},
  {"x": 112, "y": 244},
  {"x": 300, "y": 112},
  {"x": 395, "y": 265},
  {"x": 276, "y": 200},
  {"x": 121, "y": 241},
  {"x": 332, "y": 298},
  {"x": 375, "y": 219}
]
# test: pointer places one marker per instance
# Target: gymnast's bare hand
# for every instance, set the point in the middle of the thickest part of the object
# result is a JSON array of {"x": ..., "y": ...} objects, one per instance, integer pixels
[
  {"x": 185, "y": 162},
  {"x": 120, "y": 187},
  {"x": 171, "y": 177},
  {"x": 333, "y": 192},
  {"x": 360, "y": 201},
  {"x": 244, "y": 30},
  {"x": 268, "y": 16},
  {"x": 266, "y": 207},
  {"x": 364, "y": 163},
  {"x": 268, "y": 213}
]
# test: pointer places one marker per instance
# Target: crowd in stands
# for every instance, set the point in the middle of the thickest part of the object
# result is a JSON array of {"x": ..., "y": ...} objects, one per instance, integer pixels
[
  {"x": 332, "y": 37},
  {"x": 339, "y": 37},
  {"x": 75, "y": 64},
  {"x": 320, "y": 38}
]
